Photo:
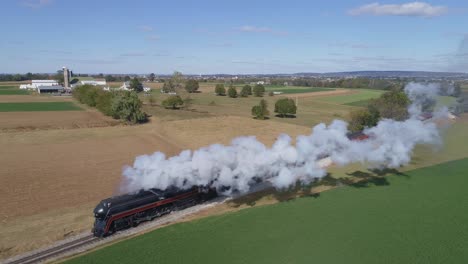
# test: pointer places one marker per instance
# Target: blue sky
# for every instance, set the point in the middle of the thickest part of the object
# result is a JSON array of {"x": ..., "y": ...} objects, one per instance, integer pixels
[{"x": 199, "y": 37}]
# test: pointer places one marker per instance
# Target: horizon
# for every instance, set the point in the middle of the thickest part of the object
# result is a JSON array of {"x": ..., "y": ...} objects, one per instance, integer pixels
[{"x": 241, "y": 38}]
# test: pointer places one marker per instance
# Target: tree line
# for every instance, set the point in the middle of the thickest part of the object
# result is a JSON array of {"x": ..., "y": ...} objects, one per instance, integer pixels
[{"x": 123, "y": 105}]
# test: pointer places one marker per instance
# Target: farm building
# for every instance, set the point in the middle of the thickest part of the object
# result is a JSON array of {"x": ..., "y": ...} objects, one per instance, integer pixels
[
  {"x": 38, "y": 83},
  {"x": 94, "y": 82},
  {"x": 50, "y": 89},
  {"x": 126, "y": 87}
]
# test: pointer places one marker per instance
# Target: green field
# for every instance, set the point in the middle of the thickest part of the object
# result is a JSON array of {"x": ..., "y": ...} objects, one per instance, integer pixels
[
  {"x": 417, "y": 217},
  {"x": 362, "y": 103},
  {"x": 295, "y": 89},
  {"x": 360, "y": 95},
  {"x": 38, "y": 106},
  {"x": 445, "y": 101},
  {"x": 311, "y": 111},
  {"x": 13, "y": 92},
  {"x": 3, "y": 87}
]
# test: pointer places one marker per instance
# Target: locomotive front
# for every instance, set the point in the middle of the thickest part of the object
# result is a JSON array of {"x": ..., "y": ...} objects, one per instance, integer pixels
[{"x": 100, "y": 213}]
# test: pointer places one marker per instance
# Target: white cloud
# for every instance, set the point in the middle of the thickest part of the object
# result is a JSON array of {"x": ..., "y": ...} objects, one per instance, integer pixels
[
  {"x": 254, "y": 29},
  {"x": 146, "y": 28},
  {"x": 153, "y": 37},
  {"x": 133, "y": 54},
  {"x": 420, "y": 9},
  {"x": 36, "y": 3}
]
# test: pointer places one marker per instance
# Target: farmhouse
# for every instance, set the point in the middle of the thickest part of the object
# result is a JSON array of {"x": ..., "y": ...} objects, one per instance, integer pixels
[{"x": 126, "y": 87}]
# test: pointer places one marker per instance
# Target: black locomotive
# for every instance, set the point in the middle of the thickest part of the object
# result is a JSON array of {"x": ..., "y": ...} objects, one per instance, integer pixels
[{"x": 121, "y": 212}]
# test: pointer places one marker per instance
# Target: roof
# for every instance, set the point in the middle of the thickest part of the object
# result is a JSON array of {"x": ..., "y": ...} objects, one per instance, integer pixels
[
  {"x": 54, "y": 87},
  {"x": 44, "y": 81}
]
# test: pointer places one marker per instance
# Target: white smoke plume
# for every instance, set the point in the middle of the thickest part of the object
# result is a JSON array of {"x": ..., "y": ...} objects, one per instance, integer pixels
[{"x": 247, "y": 161}]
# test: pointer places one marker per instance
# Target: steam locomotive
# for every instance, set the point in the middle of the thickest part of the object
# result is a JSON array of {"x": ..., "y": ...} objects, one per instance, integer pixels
[{"x": 124, "y": 211}]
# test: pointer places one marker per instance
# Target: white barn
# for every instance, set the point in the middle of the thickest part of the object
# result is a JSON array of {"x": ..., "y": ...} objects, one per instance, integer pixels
[
  {"x": 39, "y": 83},
  {"x": 94, "y": 82}
]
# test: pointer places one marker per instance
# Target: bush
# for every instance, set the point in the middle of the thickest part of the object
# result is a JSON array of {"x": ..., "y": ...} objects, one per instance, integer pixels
[
  {"x": 393, "y": 105},
  {"x": 119, "y": 105},
  {"x": 86, "y": 94},
  {"x": 362, "y": 118},
  {"x": 104, "y": 102},
  {"x": 152, "y": 100},
  {"x": 260, "y": 111},
  {"x": 136, "y": 85},
  {"x": 259, "y": 90},
  {"x": 168, "y": 87},
  {"x": 173, "y": 102},
  {"x": 220, "y": 90},
  {"x": 191, "y": 86},
  {"x": 270, "y": 93},
  {"x": 285, "y": 106},
  {"x": 246, "y": 91},
  {"x": 127, "y": 106},
  {"x": 232, "y": 92}
]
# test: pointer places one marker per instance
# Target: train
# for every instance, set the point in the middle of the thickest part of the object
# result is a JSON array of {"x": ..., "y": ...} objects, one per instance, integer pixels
[{"x": 128, "y": 210}]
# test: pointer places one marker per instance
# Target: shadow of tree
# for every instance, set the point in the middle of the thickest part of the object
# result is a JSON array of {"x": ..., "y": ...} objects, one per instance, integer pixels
[{"x": 285, "y": 116}]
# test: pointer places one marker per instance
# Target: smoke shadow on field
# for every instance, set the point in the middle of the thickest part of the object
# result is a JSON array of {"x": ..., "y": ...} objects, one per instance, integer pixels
[
  {"x": 384, "y": 172},
  {"x": 271, "y": 195},
  {"x": 356, "y": 179}
]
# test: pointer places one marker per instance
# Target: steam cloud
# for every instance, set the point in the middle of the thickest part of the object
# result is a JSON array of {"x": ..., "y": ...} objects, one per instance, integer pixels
[{"x": 247, "y": 161}]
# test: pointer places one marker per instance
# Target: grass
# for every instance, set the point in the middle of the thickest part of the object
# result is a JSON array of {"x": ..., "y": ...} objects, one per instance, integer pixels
[
  {"x": 417, "y": 217},
  {"x": 311, "y": 111},
  {"x": 295, "y": 89},
  {"x": 38, "y": 106},
  {"x": 445, "y": 101},
  {"x": 13, "y": 92},
  {"x": 360, "y": 95},
  {"x": 2, "y": 87},
  {"x": 361, "y": 103}
]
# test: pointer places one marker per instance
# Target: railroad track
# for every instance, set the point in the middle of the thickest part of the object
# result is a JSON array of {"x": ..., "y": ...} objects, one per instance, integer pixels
[
  {"x": 55, "y": 251},
  {"x": 87, "y": 242}
]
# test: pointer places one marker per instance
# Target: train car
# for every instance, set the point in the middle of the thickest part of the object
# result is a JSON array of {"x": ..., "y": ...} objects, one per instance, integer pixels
[{"x": 124, "y": 211}]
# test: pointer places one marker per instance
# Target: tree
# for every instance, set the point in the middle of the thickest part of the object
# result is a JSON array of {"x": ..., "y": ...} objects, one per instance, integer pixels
[
  {"x": 246, "y": 91},
  {"x": 168, "y": 86},
  {"x": 136, "y": 85},
  {"x": 220, "y": 90},
  {"x": 392, "y": 105},
  {"x": 285, "y": 106},
  {"x": 260, "y": 111},
  {"x": 173, "y": 101},
  {"x": 177, "y": 81},
  {"x": 232, "y": 92},
  {"x": 59, "y": 76},
  {"x": 191, "y": 86},
  {"x": 362, "y": 118},
  {"x": 110, "y": 78},
  {"x": 259, "y": 90},
  {"x": 152, "y": 76},
  {"x": 127, "y": 106},
  {"x": 127, "y": 78}
]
